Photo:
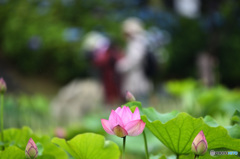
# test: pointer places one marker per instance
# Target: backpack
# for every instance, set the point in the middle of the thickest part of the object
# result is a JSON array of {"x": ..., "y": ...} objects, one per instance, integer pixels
[{"x": 150, "y": 64}]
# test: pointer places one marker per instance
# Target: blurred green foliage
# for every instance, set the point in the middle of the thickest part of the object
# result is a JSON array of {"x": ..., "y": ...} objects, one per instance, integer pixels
[
  {"x": 188, "y": 39},
  {"x": 29, "y": 110},
  {"x": 229, "y": 43},
  {"x": 198, "y": 100},
  {"x": 236, "y": 117},
  {"x": 15, "y": 141},
  {"x": 45, "y": 37},
  {"x": 215, "y": 32}
]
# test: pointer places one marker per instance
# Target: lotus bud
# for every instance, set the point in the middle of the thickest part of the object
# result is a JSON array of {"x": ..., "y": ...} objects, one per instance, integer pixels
[
  {"x": 60, "y": 132},
  {"x": 3, "y": 86},
  {"x": 31, "y": 151},
  {"x": 130, "y": 97},
  {"x": 199, "y": 145}
]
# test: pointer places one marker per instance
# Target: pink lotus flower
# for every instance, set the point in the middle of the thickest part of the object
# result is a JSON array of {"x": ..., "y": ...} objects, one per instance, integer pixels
[
  {"x": 123, "y": 122},
  {"x": 199, "y": 145},
  {"x": 31, "y": 150},
  {"x": 3, "y": 86}
]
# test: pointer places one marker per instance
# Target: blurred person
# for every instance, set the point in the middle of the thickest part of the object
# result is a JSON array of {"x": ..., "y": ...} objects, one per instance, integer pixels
[
  {"x": 206, "y": 65},
  {"x": 111, "y": 79},
  {"x": 104, "y": 55},
  {"x": 131, "y": 66},
  {"x": 95, "y": 43}
]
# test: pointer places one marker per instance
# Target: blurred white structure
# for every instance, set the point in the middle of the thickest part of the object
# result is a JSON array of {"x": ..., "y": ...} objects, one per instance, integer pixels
[
  {"x": 76, "y": 99},
  {"x": 188, "y": 8}
]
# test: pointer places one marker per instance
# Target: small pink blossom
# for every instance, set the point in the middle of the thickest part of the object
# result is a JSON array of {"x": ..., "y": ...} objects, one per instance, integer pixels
[
  {"x": 3, "y": 86},
  {"x": 123, "y": 122},
  {"x": 199, "y": 144},
  {"x": 31, "y": 150},
  {"x": 60, "y": 132}
]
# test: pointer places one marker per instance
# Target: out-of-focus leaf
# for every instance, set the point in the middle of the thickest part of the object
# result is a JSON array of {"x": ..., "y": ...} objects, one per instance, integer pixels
[
  {"x": 210, "y": 121},
  {"x": 234, "y": 131},
  {"x": 236, "y": 117},
  {"x": 89, "y": 146},
  {"x": 12, "y": 152},
  {"x": 135, "y": 103},
  {"x": 178, "y": 88},
  {"x": 20, "y": 137},
  {"x": 163, "y": 157}
]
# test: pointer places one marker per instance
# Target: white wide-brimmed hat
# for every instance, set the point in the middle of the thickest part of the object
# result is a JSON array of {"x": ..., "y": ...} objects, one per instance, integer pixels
[
  {"x": 132, "y": 26},
  {"x": 94, "y": 41}
]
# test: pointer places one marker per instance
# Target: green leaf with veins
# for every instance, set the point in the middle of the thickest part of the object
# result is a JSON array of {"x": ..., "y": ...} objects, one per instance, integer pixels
[
  {"x": 89, "y": 146},
  {"x": 178, "y": 133}
]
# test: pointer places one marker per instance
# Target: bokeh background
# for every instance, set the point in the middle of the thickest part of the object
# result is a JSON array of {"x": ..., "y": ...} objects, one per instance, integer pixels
[{"x": 54, "y": 89}]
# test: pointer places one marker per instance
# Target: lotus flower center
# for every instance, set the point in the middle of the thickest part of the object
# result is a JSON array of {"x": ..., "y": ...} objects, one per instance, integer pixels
[{"x": 119, "y": 131}]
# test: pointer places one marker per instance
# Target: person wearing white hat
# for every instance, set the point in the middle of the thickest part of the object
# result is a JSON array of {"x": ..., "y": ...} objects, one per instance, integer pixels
[{"x": 131, "y": 66}]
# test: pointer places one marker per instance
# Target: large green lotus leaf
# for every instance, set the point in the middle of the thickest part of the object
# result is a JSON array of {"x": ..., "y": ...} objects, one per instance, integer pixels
[
  {"x": 51, "y": 151},
  {"x": 178, "y": 133},
  {"x": 89, "y": 146},
  {"x": 153, "y": 115},
  {"x": 20, "y": 137},
  {"x": 12, "y": 152}
]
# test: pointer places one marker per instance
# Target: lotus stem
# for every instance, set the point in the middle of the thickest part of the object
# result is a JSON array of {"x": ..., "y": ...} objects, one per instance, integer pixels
[
  {"x": 177, "y": 156},
  {"x": 2, "y": 101},
  {"x": 146, "y": 146},
  {"x": 123, "y": 152}
]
